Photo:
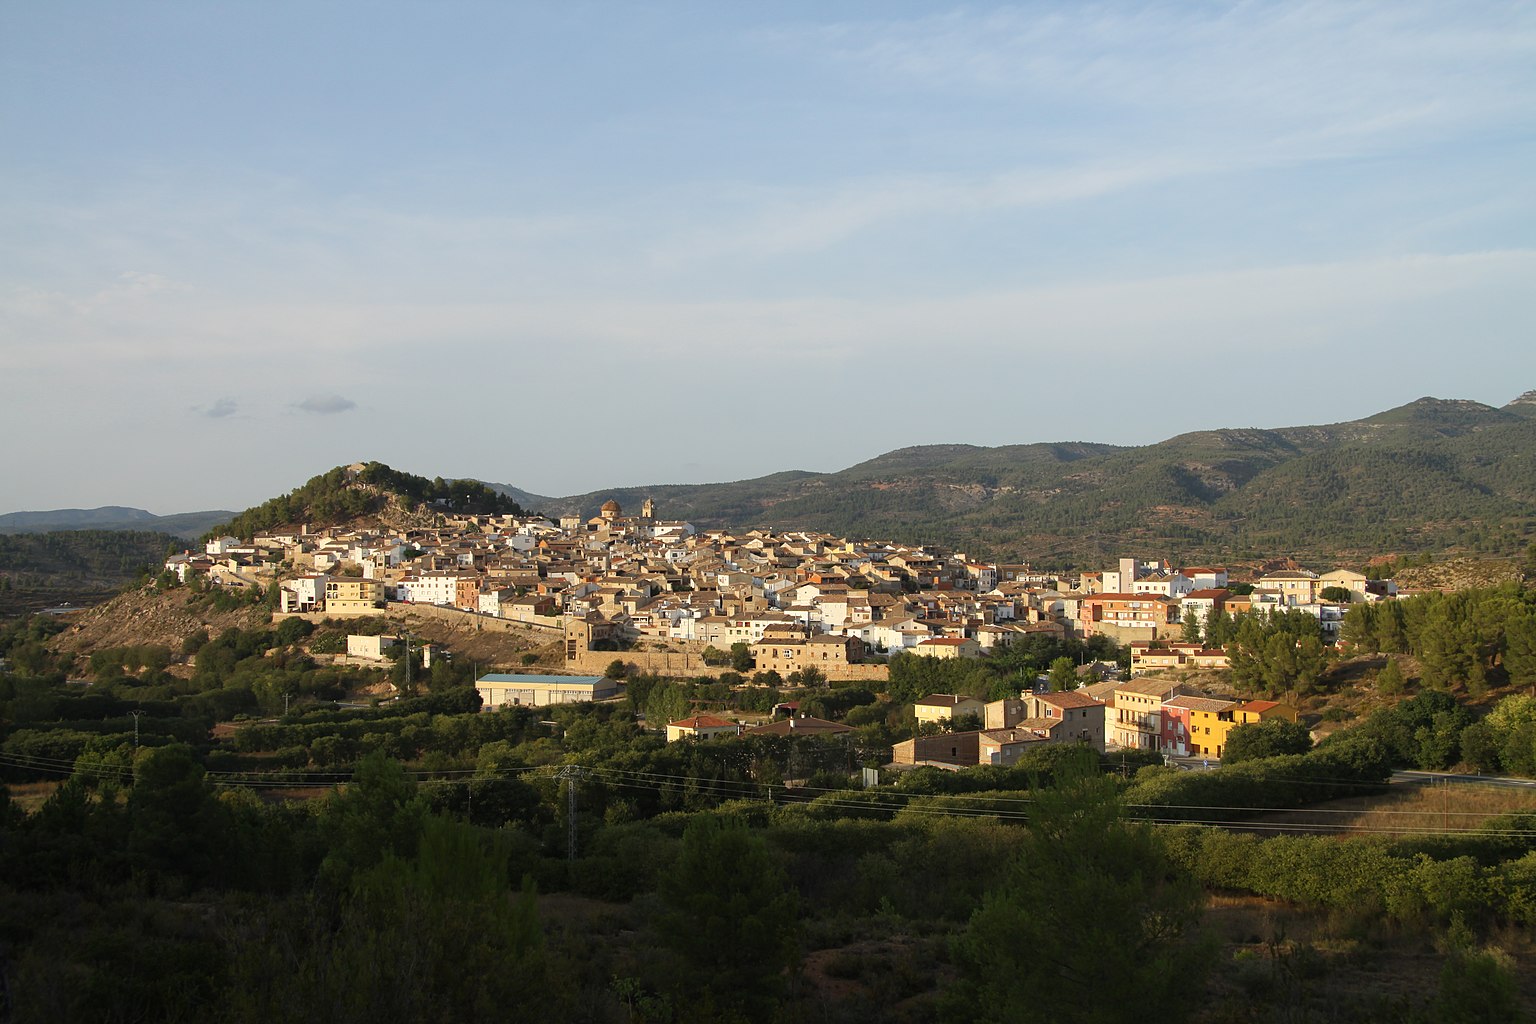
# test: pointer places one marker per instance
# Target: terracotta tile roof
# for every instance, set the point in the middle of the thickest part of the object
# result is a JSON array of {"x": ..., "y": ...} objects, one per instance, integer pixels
[
  {"x": 1199, "y": 703},
  {"x": 701, "y": 722},
  {"x": 1069, "y": 699},
  {"x": 944, "y": 700}
]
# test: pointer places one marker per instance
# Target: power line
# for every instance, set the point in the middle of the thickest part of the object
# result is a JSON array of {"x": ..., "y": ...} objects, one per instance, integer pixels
[{"x": 933, "y": 805}]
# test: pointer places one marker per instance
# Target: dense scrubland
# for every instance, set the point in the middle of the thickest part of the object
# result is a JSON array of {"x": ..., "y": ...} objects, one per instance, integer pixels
[{"x": 176, "y": 845}]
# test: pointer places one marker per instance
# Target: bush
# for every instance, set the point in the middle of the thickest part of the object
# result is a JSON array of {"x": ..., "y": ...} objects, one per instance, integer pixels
[
  {"x": 1271, "y": 738},
  {"x": 291, "y": 631}
]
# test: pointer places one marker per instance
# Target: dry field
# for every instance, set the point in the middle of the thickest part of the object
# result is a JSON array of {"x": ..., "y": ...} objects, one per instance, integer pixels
[
  {"x": 1407, "y": 809},
  {"x": 29, "y": 796}
]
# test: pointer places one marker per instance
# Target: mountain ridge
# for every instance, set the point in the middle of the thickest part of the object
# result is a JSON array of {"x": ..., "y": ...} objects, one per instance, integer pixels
[
  {"x": 187, "y": 525},
  {"x": 1431, "y": 474}
]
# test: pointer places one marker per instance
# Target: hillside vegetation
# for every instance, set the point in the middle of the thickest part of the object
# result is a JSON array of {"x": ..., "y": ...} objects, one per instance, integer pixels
[
  {"x": 371, "y": 489},
  {"x": 1433, "y": 475},
  {"x": 38, "y": 570}
]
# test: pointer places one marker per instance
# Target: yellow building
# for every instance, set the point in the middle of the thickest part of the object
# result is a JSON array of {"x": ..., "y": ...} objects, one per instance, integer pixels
[
  {"x": 947, "y": 647},
  {"x": 825, "y": 651},
  {"x": 1295, "y": 586},
  {"x": 348, "y": 594},
  {"x": 1160, "y": 656},
  {"x": 1199, "y": 726},
  {"x": 939, "y": 707},
  {"x": 1138, "y": 717},
  {"x": 1196, "y": 726},
  {"x": 1263, "y": 711}
]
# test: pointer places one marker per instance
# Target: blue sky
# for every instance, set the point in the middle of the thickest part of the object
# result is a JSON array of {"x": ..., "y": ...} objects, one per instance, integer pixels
[{"x": 572, "y": 246}]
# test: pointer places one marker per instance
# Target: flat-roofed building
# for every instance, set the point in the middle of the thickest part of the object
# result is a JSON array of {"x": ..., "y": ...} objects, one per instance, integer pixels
[
  {"x": 499, "y": 690},
  {"x": 1125, "y": 616},
  {"x": 1138, "y": 719},
  {"x": 373, "y": 647},
  {"x": 349, "y": 594}
]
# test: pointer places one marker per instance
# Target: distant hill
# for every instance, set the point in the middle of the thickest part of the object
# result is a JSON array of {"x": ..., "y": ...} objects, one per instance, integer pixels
[
  {"x": 188, "y": 525},
  {"x": 1434, "y": 474},
  {"x": 527, "y": 499}
]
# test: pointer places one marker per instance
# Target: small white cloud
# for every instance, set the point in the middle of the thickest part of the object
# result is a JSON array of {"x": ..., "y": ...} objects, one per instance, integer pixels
[
  {"x": 326, "y": 405},
  {"x": 131, "y": 286},
  {"x": 218, "y": 410}
]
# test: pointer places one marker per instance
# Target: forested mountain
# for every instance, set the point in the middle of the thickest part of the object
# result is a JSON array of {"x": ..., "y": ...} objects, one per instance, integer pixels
[{"x": 1430, "y": 475}]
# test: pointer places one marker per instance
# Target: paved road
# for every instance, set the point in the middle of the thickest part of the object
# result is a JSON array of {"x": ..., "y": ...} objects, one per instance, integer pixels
[{"x": 1449, "y": 777}]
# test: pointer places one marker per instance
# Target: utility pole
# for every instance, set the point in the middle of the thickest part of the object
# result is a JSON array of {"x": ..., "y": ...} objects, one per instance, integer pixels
[
  {"x": 406, "y": 636},
  {"x": 571, "y": 774},
  {"x": 135, "y": 713}
]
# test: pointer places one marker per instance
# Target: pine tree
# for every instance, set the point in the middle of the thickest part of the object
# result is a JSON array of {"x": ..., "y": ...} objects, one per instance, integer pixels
[{"x": 1390, "y": 679}]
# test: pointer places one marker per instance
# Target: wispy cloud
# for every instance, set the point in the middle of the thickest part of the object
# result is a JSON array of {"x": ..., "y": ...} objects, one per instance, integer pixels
[
  {"x": 1097, "y": 314},
  {"x": 785, "y": 222},
  {"x": 219, "y": 409},
  {"x": 131, "y": 285},
  {"x": 1270, "y": 60},
  {"x": 1088, "y": 101},
  {"x": 1128, "y": 89},
  {"x": 325, "y": 405}
]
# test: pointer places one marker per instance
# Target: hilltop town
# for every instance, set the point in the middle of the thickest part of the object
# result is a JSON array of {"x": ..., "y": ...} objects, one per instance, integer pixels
[{"x": 798, "y": 607}]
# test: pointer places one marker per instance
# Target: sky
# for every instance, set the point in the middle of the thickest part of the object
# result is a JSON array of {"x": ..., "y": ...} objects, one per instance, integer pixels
[{"x": 569, "y": 246}]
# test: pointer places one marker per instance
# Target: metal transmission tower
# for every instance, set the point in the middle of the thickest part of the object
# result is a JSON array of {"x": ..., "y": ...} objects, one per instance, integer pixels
[{"x": 572, "y": 774}]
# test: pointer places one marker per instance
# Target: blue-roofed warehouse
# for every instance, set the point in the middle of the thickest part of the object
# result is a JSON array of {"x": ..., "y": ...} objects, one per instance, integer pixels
[{"x": 499, "y": 690}]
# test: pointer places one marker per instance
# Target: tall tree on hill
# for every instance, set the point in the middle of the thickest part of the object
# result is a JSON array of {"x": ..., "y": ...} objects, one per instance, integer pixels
[
  {"x": 1063, "y": 675},
  {"x": 1219, "y": 629},
  {"x": 1189, "y": 627},
  {"x": 1390, "y": 679}
]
